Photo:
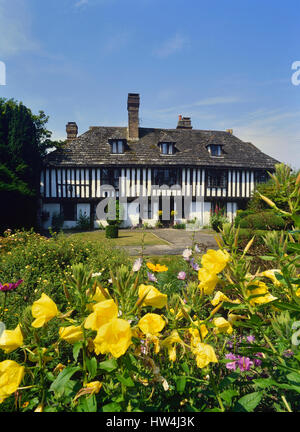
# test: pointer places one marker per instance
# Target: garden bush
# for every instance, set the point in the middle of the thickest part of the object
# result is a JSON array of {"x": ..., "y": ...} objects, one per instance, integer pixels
[
  {"x": 112, "y": 231},
  {"x": 266, "y": 220}
]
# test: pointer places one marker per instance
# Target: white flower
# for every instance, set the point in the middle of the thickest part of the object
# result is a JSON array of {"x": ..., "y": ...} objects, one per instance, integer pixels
[
  {"x": 137, "y": 265},
  {"x": 96, "y": 274},
  {"x": 187, "y": 253}
]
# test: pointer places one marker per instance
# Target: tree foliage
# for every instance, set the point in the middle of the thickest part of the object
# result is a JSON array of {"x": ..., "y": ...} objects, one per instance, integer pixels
[{"x": 24, "y": 141}]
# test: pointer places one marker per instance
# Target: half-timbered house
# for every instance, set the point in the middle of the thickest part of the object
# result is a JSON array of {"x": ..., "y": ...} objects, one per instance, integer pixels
[{"x": 211, "y": 168}]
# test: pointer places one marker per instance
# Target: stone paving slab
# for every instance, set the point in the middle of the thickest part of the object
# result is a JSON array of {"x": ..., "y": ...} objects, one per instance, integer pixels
[{"x": 178, "y": 240}]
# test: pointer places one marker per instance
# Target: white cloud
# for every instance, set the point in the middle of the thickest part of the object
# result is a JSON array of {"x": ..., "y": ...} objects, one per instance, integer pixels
[
  {"x": 171, "y": 46},
  {"x": 202, "y": 102},
  {"x": 81, "y": 3},
  {"x": 15, "y": 26}
]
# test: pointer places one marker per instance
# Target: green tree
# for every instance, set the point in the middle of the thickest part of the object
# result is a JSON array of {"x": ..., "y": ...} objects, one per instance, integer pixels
[{"x": 24, "y": 141}]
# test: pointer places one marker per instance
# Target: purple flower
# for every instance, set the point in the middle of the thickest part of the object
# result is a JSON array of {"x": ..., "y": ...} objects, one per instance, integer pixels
[
  {"x": 151, "y": 277},
  {"x": 194, "y": 265},
  {"x": 245, "y": 363},
  {"x": 229, "y": 344},
  {"x": 250, "y": 339},
  {"x": 10, "y": 286},
  {"x": 181, "y": 275},
  {"x": 137, "y": 265},
  {"x": 257, "y": 362},
  {"x": 288, "y": 353},
  {"x": 231, "y": 365},
  {"x": 231, "y": 356}
]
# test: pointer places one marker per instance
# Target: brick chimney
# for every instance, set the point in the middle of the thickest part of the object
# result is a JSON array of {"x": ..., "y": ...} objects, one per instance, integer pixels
[
  {"x": 133, "y": 106},
  {"x": 184, "y": 123},
  {"x": 72, "y": 130}
]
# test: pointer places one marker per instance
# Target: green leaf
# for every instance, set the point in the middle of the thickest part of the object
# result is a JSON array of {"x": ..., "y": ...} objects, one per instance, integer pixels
[
  {"x": 296, "y": 219},
  {"x": 87, "y": 404},
  {"x": 58, "y": 386},
  {"x": 227, "y": 395},
  {"x": 267, "y": 258},
  {"x": 92, "y": 367},
  {"x": 286, "y": 306},
  {"x": 294, "y": 377},
  {"x": 108, "y": 365},
  {"x": 248, "y": 403},
  {"x": 76, "y": 349},
  {"x": 264, "y": 382},
  {"x": 126, "y": 381},
  {"x": 112, "y": 407},
  {"x": 180, "y": 383}
]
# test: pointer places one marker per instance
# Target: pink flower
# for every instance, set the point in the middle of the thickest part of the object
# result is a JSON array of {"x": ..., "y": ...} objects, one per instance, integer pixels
[
  {"x": 245, "y": 363},
  {"x": 181, "y": 275},
  {"x": 151, "y": 277},
  {"x": 137, "y": 265},
  {"x": 231, "y": 365},
  {"x": 10, "y": 286}
]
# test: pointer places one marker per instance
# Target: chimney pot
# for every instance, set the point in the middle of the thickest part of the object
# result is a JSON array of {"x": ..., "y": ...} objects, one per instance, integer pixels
[
  {"x": 184, "y": 123},
  {"x": 72, "y": 130},
  {"x": 230, "y": 131}
]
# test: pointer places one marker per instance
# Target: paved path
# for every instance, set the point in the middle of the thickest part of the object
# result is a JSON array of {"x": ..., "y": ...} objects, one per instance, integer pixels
[{"x": 177, "y": 241}]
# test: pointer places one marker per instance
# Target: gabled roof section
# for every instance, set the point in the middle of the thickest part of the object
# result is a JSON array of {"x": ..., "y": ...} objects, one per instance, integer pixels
[{"x": 92, "y": 149}]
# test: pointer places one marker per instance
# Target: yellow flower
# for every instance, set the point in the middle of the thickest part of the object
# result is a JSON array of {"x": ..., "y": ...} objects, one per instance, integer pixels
[
  {"x": 205, "y": 354},
  {"x": 43, "y": 310},
  {"x": 220, "y": 297},
  {"x": 215, "y": 261},
  {"x": 153, "y": 297},
  {"x": 11, "y": 375},
  {"x": 113, "y": 337},
  {"x": 10, "y": 340},
  {"x": 170, "y": 343},
  {"x": 271, "y": 275},
  {"x": 71, "y": 334},
  {"x": 208, "y": 280},
  {"x": 157, "y": 267},
  {"x": 194, "y": 332},
  {"x": 232, "y": 318},
  {"x": 151, "y": 324},
  {"x": 39, "y": 408},
  {"x": 95, "y": 386},
  {"x": 97, "y": 298},
  {"x": 262, "y": 292},
  {"x": 222, "y": 326},
  {"x": 103, "y": 312}
]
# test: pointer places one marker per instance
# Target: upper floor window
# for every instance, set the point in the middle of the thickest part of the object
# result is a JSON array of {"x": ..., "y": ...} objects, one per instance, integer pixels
[
  {"x": 111, "y": 176},
  {"x": 261, "y": 177},
  {"x": 165, "y": 176},
  {"x": 214, "y": 150},
  {"x": 117, "y": 146},
  {"x": 216, "y": 178},
  {"x": 167, "y": 148}
]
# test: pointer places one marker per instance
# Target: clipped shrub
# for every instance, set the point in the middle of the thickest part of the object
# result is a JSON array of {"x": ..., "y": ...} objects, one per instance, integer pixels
[
  {"x": 179, "y": 225},
  {"x": 112, "y": 231},
  {"x": 57, "y": 221},
  {"x": 83, "y": 223},
  {"x": 263, "y": 221}
]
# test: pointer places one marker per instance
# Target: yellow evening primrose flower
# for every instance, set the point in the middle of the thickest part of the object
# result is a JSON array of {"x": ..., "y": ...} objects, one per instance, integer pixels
[
  {"x": 11, "y": 375},
  {"x": 103, "y": 312},
  {"x": 170, "y": 343},
  {"x": 271, "y": 275},
  {"x": 43, "y": 310},
  {"x": 195, "y": 335},
  {"x": 153, "y": 298},
  {"x": 151, "y": 324},
  {"x": 71, "y": 334},
  {"x": 98, "y": 297},
  {"x": 10, "y": 340},
  {"x": 220, "y": 297},
  {"x": 262, "y": 292},
  {"x": 222, "y": 326},
  {"x": 232, "y": 318},
  {"x": 208, "y": 280},
  {"x": 205, "y": 354},
  {"x": 215, "y": 261},
  {"x": 95, "y": 386},
  {"x": 113, "y": 337}
]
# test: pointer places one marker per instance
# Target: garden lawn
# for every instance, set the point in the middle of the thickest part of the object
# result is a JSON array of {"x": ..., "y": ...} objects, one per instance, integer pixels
[{"x": 126, "y": 238}]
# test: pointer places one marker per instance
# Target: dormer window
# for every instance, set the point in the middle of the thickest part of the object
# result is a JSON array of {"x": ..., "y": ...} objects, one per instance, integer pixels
[
  {"x": 117, "y": 146},
  {"x": 167, "y": 148},
  {"x": 214, "y": 150}
]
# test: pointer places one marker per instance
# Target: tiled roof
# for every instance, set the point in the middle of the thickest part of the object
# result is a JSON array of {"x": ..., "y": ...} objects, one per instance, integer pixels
[{"x": 93, "y": 149}]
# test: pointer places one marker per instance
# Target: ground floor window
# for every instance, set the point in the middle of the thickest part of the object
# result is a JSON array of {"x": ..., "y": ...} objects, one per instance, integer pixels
[{"x": 69, "y": 211}]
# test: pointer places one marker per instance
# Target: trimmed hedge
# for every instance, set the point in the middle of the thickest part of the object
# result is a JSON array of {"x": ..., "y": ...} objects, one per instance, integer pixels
[{"x": 262, "y": 221}]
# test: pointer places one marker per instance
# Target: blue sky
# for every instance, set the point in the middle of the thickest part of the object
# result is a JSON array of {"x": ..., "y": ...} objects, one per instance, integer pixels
[{"x": 227, "y": 64}]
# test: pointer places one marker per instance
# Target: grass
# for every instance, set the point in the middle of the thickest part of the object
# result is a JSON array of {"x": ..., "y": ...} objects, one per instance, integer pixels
[{"x": 126, "y": 237}]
